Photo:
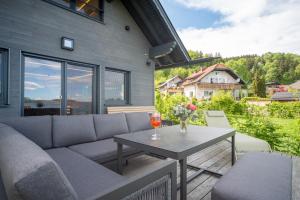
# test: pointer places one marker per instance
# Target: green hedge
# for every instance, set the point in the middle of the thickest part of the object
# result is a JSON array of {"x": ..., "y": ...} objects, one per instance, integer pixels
[
  {"x": 257, "y": 121},
  {"x": 284, "y": 110}
]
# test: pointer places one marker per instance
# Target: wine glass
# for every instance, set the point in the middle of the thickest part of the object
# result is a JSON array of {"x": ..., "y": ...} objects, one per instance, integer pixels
[{"x": 155, "y": 122}]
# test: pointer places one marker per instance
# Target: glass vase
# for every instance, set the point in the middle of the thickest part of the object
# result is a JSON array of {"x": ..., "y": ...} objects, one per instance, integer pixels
[{"x": 183, "y": 125}]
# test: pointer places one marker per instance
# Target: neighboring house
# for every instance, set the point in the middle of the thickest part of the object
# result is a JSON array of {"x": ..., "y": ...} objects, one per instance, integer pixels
[
  {"x": 274, "y": 87},
  {"x": 171, "y": 86},
  {"x": 204, "y": 83},
  {"x": 285, "y": 96},
  {"x": 295, "y": 86},
  {"x": 80, "y": 56}
]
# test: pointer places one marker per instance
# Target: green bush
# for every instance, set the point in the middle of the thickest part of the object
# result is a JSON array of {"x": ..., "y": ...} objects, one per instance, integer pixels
[
  {"x": 224, "y": 101},
  {"x": 245, "y": 99},
  {"x": 284, "y": 110},
  {"x": 166, "y": 103},
  {"x": 257, "y": 121},
  {"x": 258, "y": 127}
]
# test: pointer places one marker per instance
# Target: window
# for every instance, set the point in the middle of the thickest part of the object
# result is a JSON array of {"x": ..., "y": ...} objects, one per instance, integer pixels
[
  {"x": 191, "y": 94},
  {"x": 116, "y": 87},
  {"x": 54, "y": 87},
  {"x": 221, "y": 80},
  {"x": 89, "y": 8},
  {"x": 214, "y": 80},
  {"x": 208, "y": 93},
  {"x": 3, "y": 77}
]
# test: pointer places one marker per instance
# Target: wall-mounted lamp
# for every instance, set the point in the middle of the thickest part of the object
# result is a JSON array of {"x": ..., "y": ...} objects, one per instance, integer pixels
[{"x": 67, "y": 43}]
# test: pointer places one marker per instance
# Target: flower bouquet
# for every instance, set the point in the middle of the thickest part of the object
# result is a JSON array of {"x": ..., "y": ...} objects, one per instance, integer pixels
[{"x": 184, "y": 112}]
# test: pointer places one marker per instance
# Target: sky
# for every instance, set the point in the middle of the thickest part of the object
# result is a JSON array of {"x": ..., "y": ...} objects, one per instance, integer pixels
[{"x": 237, "y": 27}]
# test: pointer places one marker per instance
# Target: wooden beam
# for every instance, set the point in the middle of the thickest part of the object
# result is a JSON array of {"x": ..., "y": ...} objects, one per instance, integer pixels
[{"x": 162, "y": 50}]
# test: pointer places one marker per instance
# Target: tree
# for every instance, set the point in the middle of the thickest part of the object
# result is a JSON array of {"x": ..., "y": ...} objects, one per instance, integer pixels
[{"x": 258, "y": 82}]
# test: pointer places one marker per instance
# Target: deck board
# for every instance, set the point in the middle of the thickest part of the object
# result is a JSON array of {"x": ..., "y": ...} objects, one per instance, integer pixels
[{"x": 216, "y": 157}]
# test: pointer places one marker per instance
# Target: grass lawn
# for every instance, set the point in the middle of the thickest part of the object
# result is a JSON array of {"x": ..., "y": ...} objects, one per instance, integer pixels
[
  {"x": 283, "y": 137},
  {"x": 287, "y": 126}
]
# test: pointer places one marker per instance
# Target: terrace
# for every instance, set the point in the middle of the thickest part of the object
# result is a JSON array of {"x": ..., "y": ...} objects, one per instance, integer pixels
[{"x": 76, "y": 112}]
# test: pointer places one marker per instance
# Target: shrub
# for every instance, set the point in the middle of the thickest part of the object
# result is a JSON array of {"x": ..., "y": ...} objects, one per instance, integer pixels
[
  {"x": 224, "y": 101},
  {"x": 245, "y": 99},
  {"x": 258, "y": 127},
  {"x": 284, "y": 110}
]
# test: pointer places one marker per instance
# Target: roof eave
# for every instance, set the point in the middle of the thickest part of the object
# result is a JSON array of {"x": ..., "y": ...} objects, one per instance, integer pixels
[{"x": 171, "y": 28}]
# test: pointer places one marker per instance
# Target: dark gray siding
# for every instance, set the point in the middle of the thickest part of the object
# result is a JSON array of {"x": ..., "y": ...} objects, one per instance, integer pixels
[{"x": 36, "y": 26}]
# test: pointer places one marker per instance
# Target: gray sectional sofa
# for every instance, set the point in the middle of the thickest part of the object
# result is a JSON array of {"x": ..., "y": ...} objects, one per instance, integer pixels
[{"x": 62, "y": 157}]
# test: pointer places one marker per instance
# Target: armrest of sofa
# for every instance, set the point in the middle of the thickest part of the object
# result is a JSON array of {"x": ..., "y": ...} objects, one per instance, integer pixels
[{"x": 160, "y": 180}]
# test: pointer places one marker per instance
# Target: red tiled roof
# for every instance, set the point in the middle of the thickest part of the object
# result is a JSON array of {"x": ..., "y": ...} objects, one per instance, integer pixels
[{"x": 203, "y": 72}]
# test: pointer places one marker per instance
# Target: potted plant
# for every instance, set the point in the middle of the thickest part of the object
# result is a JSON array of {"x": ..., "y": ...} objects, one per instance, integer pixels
[{"x": 184, "y": 112}]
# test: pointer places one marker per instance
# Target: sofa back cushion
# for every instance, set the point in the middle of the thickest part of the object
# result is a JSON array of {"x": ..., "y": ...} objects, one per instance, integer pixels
[
  {"x": 108, "y": 125},
  {"x": 28, "y": 172},
  {"x": 138, "y": 121},
  {"x": 36, "y": 128},
  {"x": 71, "y": 130}
]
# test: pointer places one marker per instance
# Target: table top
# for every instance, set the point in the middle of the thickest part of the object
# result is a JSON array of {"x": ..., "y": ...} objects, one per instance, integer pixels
[{"x": 174, "y": 144}]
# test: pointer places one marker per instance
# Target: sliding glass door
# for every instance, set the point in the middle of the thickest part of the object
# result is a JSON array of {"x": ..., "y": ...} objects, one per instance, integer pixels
[
  {"x": 58, "y": 87},
  {"x": 79, "y": 90},
  {"x": 42, "y": 87}
]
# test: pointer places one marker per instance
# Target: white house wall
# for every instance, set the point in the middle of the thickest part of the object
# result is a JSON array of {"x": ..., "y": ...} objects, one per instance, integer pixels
[
  {"x": 188, "y": 89},
  {"x": 218, "y": 74}
]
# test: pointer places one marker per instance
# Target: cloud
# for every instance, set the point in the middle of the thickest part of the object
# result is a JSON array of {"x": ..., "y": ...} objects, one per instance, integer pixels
[
  {"x": 32, "y": 85},
  {"x": 247, "y": 27}
]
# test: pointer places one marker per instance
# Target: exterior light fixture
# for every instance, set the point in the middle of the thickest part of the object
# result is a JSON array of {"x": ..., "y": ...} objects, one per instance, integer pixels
[{"x": 67, "y": 43}]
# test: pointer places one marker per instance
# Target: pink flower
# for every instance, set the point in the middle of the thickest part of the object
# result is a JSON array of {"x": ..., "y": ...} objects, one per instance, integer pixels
[{"x": 191, "y": 107}]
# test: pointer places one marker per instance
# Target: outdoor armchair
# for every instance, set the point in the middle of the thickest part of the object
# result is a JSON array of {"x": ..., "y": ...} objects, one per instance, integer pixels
[{"x": 243, "y": 143}]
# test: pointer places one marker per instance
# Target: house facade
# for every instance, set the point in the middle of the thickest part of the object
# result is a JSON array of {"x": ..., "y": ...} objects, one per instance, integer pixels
[
  {"x": 171, "y": 86},
  {"x": 78, "y": 57},
  {"x": 206, "y": 82}
]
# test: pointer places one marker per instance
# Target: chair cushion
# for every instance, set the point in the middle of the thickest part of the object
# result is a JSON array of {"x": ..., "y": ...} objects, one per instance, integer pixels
[
  {"x": 138, "y": 121},
  {"x": 108, "y": 125},
  {"x": 256, "y": 176},
  {"x": 36, "y": 128},
  {"x": 87, "y": 177},
  {"x": 71, "y": 130},
  {"x": 101, "y": 151},
  {"x": 215, "y": 113},
  {"x": 28, "y": 172},
  {"x": 245, "y": 143}
]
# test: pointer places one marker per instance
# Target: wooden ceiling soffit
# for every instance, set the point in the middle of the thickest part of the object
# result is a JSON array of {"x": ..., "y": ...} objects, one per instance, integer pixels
[{"x": 162, "y": 50}]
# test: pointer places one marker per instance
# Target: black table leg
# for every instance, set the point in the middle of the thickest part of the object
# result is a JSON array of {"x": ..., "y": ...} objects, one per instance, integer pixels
[
  {"x": 183, "y": 179},
  {"x": 120, "y": 151},
  {"x": 233, "y": 149}
]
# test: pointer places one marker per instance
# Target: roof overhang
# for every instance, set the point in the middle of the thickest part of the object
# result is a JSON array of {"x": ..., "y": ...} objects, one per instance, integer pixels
[{"x": 167, "y": 48}]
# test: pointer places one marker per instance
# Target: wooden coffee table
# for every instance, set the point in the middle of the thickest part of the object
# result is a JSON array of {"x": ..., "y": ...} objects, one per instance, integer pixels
[{"x": 176, "y": 145}]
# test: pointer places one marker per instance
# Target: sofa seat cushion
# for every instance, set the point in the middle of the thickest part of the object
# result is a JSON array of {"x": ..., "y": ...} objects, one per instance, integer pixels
[
  {"x": 71, "y": 130},
  {"x": 138, "y": 121},
  {"x": 28, "y": 172},
  {"x": 101, "y": 151},
  {"x": 88, "y": 178},
  {"x": 108, "y": 125},
  {"x": 256, "y": 176},
  {"x": 36, "y": 128}
]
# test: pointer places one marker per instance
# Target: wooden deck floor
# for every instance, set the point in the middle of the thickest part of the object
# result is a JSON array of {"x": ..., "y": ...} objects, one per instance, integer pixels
[{"x": 217, "y": 158}]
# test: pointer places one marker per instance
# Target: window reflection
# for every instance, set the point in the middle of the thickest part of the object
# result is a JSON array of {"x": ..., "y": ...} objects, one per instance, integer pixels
[
  {"x": 115, "y": 87},
  {"x": 42, "y": 87},
  {"x": 79, "y": 90}
]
